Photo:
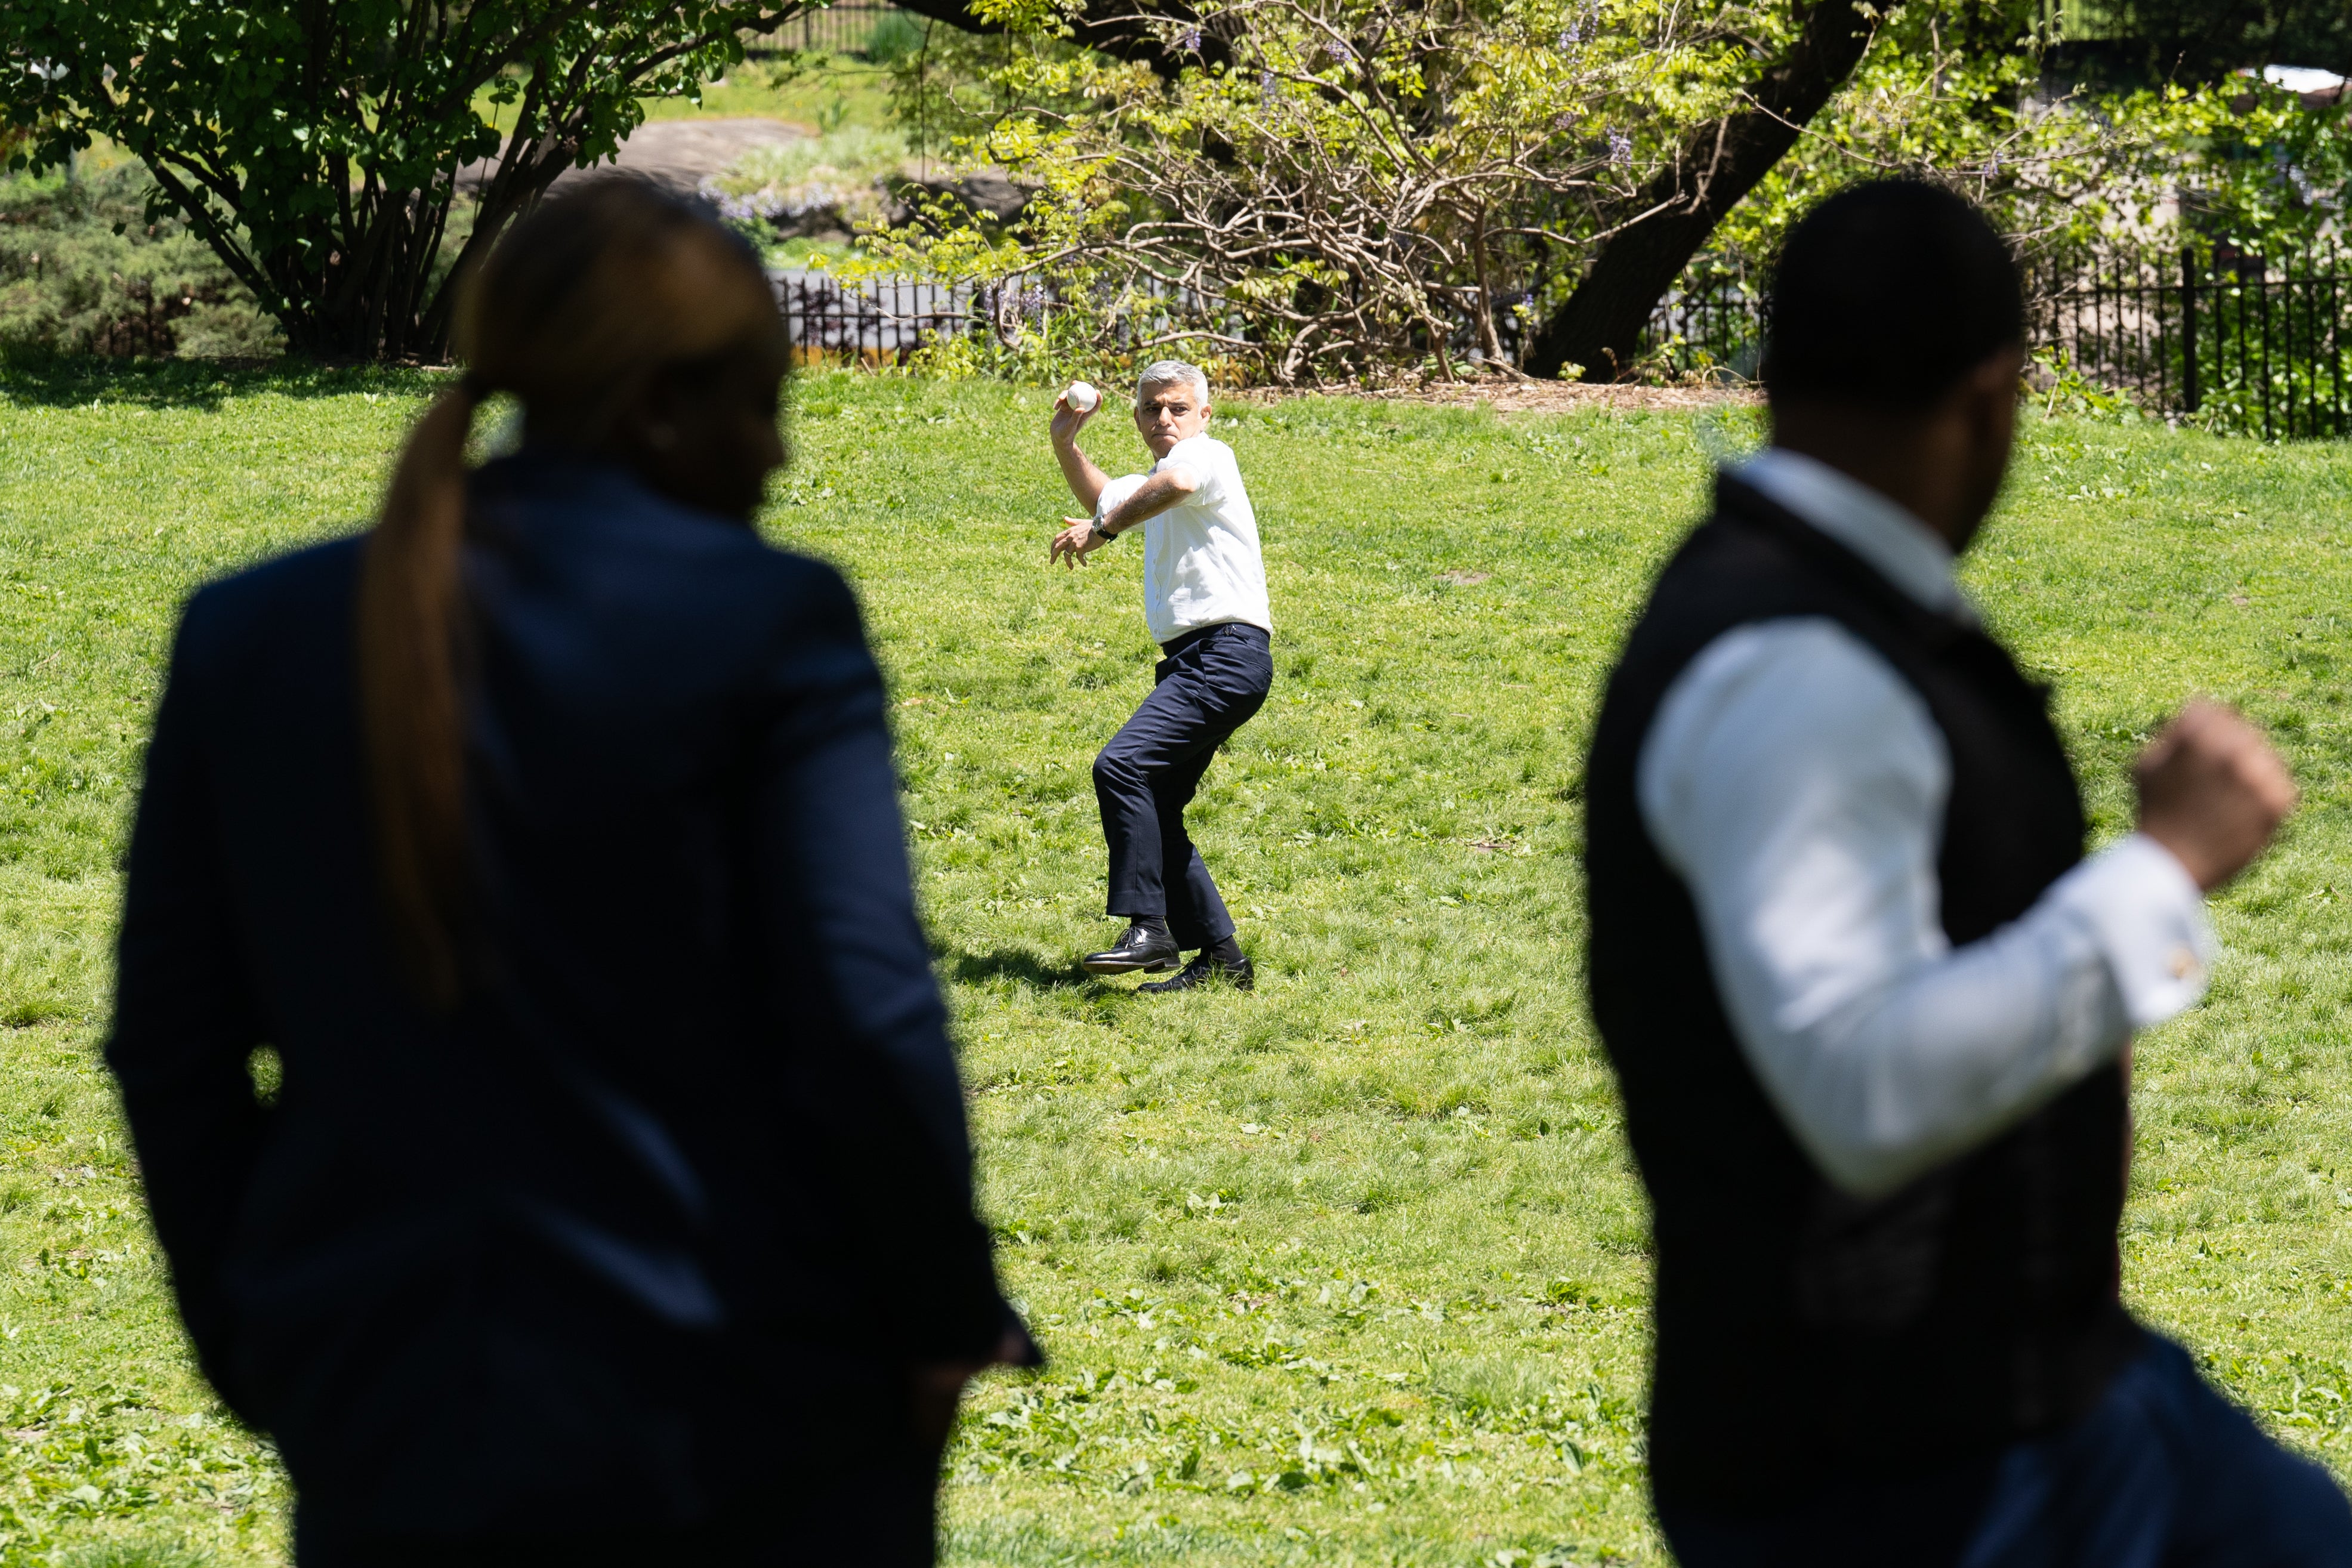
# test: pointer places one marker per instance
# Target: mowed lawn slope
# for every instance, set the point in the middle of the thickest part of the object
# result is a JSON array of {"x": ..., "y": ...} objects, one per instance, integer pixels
[{"x": 1352, "y": 1269}]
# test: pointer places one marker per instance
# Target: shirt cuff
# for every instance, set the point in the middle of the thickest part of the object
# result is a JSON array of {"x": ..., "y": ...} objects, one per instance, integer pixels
[{"x": 2148, "y": 916}]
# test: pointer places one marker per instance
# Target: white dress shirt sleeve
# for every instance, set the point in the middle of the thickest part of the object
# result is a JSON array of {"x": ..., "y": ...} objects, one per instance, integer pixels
[
  {"x": 1114, "y": 493},
  {"x": 1796, "y": 783}
]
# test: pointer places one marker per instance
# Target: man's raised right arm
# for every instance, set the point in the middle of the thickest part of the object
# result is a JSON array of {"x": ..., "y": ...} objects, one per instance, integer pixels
[{"x": 1085, "y": 480}]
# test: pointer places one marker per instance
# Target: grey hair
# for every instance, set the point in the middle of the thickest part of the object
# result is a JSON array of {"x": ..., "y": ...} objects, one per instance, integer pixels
[{"x": 1169, "y": 373}]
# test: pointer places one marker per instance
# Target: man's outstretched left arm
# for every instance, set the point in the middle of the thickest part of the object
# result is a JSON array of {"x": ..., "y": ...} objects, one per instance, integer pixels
[{"x": 1168, "y": 486}]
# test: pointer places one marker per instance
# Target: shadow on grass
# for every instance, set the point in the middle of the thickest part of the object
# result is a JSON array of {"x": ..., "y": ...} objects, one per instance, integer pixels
[
  {"x": 69, "y": 380},
  {"x": 1022, "y": 968}
]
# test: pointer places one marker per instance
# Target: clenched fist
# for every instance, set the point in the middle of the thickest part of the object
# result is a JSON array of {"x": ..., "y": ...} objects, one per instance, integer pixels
[{"x": 2212, "y": 791}]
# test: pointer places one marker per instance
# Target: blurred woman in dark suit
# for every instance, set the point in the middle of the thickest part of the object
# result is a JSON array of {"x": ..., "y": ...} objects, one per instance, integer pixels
[{"x": 615, "y": 1205}]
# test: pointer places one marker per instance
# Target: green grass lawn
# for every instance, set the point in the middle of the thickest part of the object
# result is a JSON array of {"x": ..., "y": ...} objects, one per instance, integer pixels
[
  {"x": 832, "y": 90},
  {"x": 1352, "y": 1269}
]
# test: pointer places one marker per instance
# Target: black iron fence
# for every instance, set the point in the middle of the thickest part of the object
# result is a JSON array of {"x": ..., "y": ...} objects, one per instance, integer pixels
[
  {"x": 870, "y": 321},
  {"x": 1709, "y": 327},
  {"x": 2242, "y": 344},
  {"x": 2260, "y": 346},
  {"x": 876, "y": 322},
  {"x": 2245, "y": 343},
  {"x": 842, "y": 28}
]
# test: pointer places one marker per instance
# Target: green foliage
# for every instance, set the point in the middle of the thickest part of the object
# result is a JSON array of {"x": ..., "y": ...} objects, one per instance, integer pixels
[
  {"x": 2266, "y": 175},
  {"x": 1340, "y": 186},
  {"x": 1344, "y": 189},
  {"x": 956, "y": 86},
  {"x": 316, "y": 148},
  {"x": 1371, "y": 1226},
  {"x": 2242, "y": 165},
  {"x": 2204, "y": 40},
  {"x": 896, "y": 36},
  {"x": 2061, "y": 388},
  {"x": 82, "y": 270}
]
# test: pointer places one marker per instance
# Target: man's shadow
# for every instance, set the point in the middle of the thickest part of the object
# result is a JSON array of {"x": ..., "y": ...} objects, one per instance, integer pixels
[{"x": 1013, "y": 963}]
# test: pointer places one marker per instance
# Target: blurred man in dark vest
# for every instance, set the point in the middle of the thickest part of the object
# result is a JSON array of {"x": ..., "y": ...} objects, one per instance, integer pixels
[{"x": 1870, "y": 1005}]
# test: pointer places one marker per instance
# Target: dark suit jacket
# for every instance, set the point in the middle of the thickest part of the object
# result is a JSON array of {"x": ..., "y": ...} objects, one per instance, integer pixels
[{"x": 686, "y": 1179}]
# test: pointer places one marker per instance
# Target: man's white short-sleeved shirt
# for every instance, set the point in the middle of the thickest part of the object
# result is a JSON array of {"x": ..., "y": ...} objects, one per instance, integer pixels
[{"x": 1201, "y": 560}]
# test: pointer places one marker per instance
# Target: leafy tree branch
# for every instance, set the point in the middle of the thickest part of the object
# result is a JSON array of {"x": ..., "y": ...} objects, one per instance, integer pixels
[{"x": 328, "y": 150}]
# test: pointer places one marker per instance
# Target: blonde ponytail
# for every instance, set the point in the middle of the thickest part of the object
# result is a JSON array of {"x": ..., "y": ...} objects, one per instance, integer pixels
[{"x": 412, "y": 626}]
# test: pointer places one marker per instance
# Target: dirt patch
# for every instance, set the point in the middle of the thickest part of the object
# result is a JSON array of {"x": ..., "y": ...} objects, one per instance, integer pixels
[{"x": 1526, "y": 396}]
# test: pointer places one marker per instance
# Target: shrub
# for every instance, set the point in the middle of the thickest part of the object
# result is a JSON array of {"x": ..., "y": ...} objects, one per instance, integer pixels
[
  {"x": 896, "y": 36},
  {"x": 83, "y": 271}
]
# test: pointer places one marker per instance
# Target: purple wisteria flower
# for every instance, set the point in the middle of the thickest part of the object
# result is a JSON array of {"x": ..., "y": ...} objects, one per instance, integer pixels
[
  {"x": 1340, "y": 52},
  {"x": 1620, "y": 147},
  {"x": 1265, "y": 85},
  {"x": 1570, "y": 36},
  {"x": 1192, "y": 39}
]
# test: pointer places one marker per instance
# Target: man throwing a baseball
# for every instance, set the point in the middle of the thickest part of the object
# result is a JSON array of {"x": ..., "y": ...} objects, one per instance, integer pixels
[{"x": 1205, "y": 601}]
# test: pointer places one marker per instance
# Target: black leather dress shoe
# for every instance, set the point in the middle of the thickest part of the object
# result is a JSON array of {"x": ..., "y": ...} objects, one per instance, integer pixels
[
  {"x": 1139, "y": 947},
  {"x": 1208, "y": 969}
]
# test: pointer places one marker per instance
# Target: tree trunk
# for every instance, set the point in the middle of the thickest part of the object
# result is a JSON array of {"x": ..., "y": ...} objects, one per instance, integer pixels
[{"x": 1718, "y": 164}]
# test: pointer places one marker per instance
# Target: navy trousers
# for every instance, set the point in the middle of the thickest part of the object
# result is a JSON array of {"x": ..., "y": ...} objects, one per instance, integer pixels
[
  {"x": 2165, "y": 1473},
  {"x": 1210, "y": 684}
]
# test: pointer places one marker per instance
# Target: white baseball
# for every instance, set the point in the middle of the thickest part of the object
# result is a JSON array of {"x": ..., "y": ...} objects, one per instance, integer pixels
[{"x": 1082, "y": 396}]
